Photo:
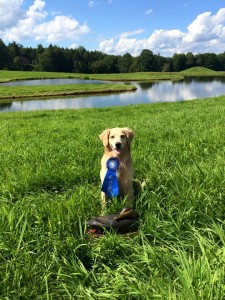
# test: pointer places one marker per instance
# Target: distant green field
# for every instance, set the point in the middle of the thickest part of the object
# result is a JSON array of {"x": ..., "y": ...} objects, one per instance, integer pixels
[
  {"x": 10, "y": 92},
  {"x": 201, "y": 71},
  {"x": 21, "y": 75},
  {"x": 69, "y": 89},
  {"x": 49, "y": 186},
  {"x": 136, "y": 76}
]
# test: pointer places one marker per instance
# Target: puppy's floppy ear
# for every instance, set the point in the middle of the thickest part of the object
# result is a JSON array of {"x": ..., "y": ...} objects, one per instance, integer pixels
[
  {"x": 104, "y": 137},
  {"x": 129, "y": 134}
]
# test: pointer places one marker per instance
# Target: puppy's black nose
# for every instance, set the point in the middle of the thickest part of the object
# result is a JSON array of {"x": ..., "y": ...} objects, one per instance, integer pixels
[{"x": 118, "y": 145}]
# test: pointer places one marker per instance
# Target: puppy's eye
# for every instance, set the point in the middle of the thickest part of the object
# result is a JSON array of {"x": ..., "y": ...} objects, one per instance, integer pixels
[
  {"x": 122, "y": 136},
  {"x": 112, "y": 137}
]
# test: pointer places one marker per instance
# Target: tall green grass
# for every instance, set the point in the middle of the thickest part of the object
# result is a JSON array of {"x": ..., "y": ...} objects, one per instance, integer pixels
[{"x": 49, "y": 179}]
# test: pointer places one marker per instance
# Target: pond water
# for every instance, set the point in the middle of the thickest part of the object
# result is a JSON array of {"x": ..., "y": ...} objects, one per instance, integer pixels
[
  {"x": 147, "y": 92},
  {"x": 51, "y": 82}
]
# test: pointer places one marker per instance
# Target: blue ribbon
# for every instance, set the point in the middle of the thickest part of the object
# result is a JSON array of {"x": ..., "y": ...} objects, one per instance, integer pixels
[{"x": 110, "y": 184}]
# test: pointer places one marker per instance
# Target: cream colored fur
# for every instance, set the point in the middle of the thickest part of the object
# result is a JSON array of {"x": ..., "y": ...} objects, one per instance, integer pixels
[{"x": 116, "y": 142}]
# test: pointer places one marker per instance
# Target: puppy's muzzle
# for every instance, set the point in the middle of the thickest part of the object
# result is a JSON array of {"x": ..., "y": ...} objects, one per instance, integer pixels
[{"x": 118, "y": 146}]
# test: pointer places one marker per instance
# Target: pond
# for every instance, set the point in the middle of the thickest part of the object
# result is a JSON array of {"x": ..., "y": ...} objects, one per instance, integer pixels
[{"x": 147, "y": 92}]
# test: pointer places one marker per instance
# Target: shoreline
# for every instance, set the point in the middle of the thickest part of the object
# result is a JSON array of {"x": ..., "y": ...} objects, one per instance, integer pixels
[
  {"x": 63, "y": 91},
  {"x": 8, "y": 93}
]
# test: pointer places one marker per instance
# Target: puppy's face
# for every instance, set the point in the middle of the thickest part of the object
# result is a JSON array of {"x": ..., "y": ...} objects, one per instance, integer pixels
[{"x": 116, "y": 139}]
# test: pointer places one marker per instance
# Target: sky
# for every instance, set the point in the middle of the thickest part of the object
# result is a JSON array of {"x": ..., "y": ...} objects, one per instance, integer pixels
[{"x": 116, "y": 26}]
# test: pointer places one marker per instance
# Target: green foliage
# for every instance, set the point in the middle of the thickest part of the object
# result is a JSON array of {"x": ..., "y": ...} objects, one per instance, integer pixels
[
  {"x": 146, "y": 61},
  {"x": 179, "y": 62},
  {"x": 49, "y": 186},
  {"x": 55, "y": 59}
]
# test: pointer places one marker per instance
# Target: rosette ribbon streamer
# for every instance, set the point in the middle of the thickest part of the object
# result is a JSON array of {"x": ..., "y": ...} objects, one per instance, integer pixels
[{"x": 110, "y": 184}]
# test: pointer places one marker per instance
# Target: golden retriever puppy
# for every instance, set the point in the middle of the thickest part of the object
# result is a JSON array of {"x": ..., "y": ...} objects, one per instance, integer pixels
[{"x": 116, "y": 142}]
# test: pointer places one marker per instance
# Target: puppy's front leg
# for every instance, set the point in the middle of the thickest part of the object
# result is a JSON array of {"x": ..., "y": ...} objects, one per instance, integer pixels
[
  {"x": 127, "y": 191},
  {"x": 104, "y": 198},
  {"x": 129, "y": 194}
]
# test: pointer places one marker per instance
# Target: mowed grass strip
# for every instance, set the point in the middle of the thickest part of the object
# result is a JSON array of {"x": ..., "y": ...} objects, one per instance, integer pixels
[
  {"x": 6, "y": 75},
  {"x": 13, "y": 92},
  {"x": 136, "y": 76},
  {"x": 50, "y": 185}
]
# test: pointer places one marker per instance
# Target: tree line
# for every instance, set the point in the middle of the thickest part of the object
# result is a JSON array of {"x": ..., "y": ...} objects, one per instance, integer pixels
[{"x": 56, "y": 59}]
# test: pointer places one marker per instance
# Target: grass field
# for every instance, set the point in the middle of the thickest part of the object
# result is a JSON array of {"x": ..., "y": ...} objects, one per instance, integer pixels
[
  {"x": 22, "y": 75},
  {"x": 18, "y": 92},
  {"x": 201, "y": 71},
  {"x": 14, "y": 92},
  {"x": 49, "y": 179}
]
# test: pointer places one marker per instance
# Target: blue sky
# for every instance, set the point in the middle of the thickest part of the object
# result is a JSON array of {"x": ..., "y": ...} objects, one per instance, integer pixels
[{"x": 116, "y": 26}]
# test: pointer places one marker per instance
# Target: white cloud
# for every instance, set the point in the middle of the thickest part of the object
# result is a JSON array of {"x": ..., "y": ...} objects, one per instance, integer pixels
[
  {"x": 206, "y": 27},
  {"x": 10, "y": 13},
  {"x": 124, "y": 44},
  {"x": 149, "y": 11},
  {"x": 205, "y": 34},
  {"x": 25, "y": 26},
  {"x": 159, "y": 41},
  {"x": 129, "y": 33},
  {"x": 165, "y": 40},
  {"x": 91, "y": 3},
  {"x": 73, "y": 46},
  {"x": 107, "y": 46},
  {"x": 32, "y": 24},
  {"x": 60, "y": 28}
]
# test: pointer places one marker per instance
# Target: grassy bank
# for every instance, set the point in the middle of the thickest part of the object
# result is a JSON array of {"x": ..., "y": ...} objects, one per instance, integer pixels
[
  {"x": 10, "y": 92},
  {"x": 201, "y": 71},
  {"x": 49, "y": 178},
  {"x": 23, "y": 75},
  {"x": 14, "y": 92}
]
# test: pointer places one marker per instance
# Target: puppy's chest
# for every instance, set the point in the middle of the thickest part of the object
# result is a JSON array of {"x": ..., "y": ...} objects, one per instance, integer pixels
[{"x": 122, "y": 170}]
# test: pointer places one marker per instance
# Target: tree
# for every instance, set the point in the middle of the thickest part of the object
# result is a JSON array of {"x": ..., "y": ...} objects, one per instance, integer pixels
[
  {"x": 134, "y": 67},
  {"x": 210, "y": 61},
  {"x": 52, "y": 59},
  {"x": 16, "y": 57},
  {"x": 106, "y": 65},
  {"x": 221, "y": 61},
  {"x": 159, "y": 63},
  {"x": 146, "y": 61},
  {"x": 190, "y": 60},
  {"x": 124, "y": 63},
  {"x": 46, "y": 60},
  {"x": 167, "y": 65},
  {"x": 80, "y": 62},
  {"x": 3, "y": 55},
  {"x": 13, "y": 50},
  {"x": 178, "y": 62}
]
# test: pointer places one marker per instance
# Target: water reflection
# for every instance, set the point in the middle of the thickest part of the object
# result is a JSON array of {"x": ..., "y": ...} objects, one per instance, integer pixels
[
  {"x": 204, "y": 79},
  {"x": 51, "y": 82},
  {"x": 147, "y": 92},
  {"x": 5, "y": 106},
  {"x": 67, "y": 103},
  {"x": 145, "y": 85}
]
